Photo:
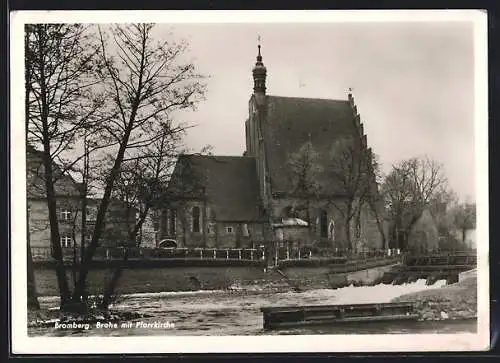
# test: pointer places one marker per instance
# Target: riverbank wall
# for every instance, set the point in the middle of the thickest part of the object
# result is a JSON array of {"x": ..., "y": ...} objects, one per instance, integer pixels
[{"x": 192, "y": 278}]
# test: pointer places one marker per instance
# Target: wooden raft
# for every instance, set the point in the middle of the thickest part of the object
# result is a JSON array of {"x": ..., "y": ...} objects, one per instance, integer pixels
[{"x": 291, "y": 316}]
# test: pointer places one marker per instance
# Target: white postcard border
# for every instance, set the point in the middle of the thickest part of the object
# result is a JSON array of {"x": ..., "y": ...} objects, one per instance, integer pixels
[{"x": 23, "y": 344}]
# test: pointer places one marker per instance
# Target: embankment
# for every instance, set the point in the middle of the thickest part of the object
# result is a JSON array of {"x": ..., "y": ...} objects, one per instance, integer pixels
[
  {"x": 144, "y": 280},
  {"x": 191, "y": 278},
  {"x": 455, "y": 301}
]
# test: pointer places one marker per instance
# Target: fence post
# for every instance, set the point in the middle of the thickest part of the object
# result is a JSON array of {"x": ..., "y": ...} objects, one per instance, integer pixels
[
  {"x": 201, "y": 254},
  {"x": 239, "y": 254},
  {"x": 107, "y": 254},
  {"x": 299, "y": 253},
  {"x": 215, "y": 254},
  {"x": 251, "y": 255},
  {"x": 227, "y": 254}
]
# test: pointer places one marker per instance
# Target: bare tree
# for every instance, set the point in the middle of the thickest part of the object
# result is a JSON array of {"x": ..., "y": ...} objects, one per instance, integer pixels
[
  {"x": 144, "y": 83},
  {"x": 410, "y": 188},
  {"x": 351, "y": 171},
  {"x": 374, "y": 198},
  {"x": 59, "y": 59},
  {"x": 33, "y": 302},
  {"x": 304, "y": 168},
  {"x": 142, "y": 180}
]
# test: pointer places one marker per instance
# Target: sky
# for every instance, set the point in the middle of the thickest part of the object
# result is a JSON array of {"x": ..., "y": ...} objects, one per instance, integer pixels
[{"x": 413, "y": 83}]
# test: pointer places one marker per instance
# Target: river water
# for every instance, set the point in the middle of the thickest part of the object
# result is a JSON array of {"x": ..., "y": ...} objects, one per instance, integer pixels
[{"x": 238, "y": 313}]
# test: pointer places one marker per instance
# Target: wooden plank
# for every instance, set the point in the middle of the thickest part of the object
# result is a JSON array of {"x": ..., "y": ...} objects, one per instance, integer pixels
[
  {"x": 341, "y": 321},
  {"x": 340, "y": 306},
  {"x": 326, "y": 314}
]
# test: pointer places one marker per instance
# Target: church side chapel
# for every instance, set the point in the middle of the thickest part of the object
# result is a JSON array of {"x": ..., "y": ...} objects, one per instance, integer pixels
[{"x": 305, "y": 179}]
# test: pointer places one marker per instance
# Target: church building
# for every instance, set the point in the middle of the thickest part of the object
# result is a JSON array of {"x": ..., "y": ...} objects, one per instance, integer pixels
[{"x": 287, "y": 186}]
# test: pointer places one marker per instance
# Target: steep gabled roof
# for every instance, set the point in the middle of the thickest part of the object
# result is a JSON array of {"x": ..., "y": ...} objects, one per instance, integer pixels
[
  {"x": 291, "y": 121},
  {"x": 228, "y": 183},
  {"x": 65, "y": 185}
]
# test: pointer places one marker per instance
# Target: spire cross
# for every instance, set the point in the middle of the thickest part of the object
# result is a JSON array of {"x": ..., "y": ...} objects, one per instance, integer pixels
[{"x": 258, "y": 43}]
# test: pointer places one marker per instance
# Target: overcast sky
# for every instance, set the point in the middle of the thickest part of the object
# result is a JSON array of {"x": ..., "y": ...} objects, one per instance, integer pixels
[{"x": 413, "y": 83}]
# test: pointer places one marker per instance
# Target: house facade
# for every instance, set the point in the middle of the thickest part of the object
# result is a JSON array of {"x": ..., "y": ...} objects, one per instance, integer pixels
[
  {"x": 69, "y": 210},
  {"x": 237, "y": 201}
]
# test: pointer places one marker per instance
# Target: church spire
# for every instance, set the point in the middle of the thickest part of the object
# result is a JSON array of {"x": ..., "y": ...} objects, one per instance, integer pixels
[{"x": 259, "y": 74}]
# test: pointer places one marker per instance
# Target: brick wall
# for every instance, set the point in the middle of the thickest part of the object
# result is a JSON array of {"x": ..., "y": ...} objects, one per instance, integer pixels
[{"x": 212, "y": 233}]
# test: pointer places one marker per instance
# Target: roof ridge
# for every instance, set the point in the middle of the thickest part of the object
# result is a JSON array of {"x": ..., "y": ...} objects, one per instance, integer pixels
[
  {"x": 310, "y": 98},
  {"x": 218, "y": 156}
]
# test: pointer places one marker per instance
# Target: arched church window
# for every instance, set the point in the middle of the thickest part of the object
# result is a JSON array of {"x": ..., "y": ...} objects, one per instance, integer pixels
[
  {"x": 324, "y": 224},
  {"x": 196, "y": 219},
  {"x": 173, "y": 221}
]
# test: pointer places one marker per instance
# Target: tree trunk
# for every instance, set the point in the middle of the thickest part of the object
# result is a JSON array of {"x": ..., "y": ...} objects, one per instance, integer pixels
[
  {"x": 348, "y": 218},
  {"x": 348, "y": 233},
  {"x": 31, "y": 283},
  {"x": 62, "y": 280},
  {"x": 84, "y": 198},
  {"x": 57, "y": 254},
  {"x": 380, "y": 227},
  {"x": 113, "y": 283},
  {"x": 358, "y": 228},
  {"x": 111, "y": 286},
  {"x": 80, "y": 287},
  {"x": 33, "y": 303},
  {"x": 309, "y": 222}
]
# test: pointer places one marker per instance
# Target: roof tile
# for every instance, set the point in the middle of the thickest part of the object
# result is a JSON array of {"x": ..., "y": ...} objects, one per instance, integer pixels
[
  {"x": 293, "y": 121},
  {"x": 229, "y": 183}
]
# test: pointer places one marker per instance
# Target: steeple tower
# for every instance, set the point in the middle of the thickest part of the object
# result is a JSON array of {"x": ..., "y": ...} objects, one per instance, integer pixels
[{"x": 259, "y": 75}]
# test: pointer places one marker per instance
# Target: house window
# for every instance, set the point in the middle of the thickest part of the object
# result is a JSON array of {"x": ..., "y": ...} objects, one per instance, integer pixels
[
  {"x": 65, "y": 214},
  {"x": 324, "y": 224},
  {"x": 66, "y": 240},
  {"x": 156, "y": 223},
  {"x": 156, "y": 220},
  {"x": 196, "y": 219},
  {"x": 173, "y": 219},
  {"x": 164, "y": 222},
  {"x": 229, "y": 230}
]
